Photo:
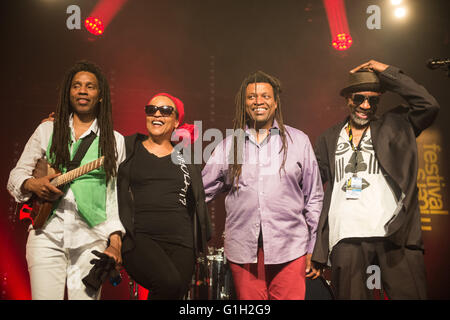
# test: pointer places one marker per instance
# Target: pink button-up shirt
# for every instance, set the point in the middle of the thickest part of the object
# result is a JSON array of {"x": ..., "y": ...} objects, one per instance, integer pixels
[{"x": 284, "y": 204}]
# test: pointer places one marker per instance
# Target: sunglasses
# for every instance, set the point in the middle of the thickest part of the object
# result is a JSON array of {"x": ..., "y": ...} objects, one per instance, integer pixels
[
  {"x": 165, "y": 111},
  {"x": 359, "y": 99}
]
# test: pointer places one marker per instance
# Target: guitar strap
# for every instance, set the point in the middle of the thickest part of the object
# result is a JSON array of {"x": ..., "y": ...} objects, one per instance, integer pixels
[{"x": 81, "y": 151}]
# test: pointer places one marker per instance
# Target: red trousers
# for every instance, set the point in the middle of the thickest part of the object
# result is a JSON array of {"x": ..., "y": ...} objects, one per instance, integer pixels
[{"x": 256, "y": 281}]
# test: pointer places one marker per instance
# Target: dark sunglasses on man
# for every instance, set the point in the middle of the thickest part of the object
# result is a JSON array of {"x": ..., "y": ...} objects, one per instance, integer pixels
[
  {"x": 165, "y": 111},
  {"x": 359, "y": 99}
]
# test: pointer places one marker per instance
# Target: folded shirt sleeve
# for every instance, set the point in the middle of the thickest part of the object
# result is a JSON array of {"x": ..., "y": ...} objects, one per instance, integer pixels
[{"x": 33, "y": 151}]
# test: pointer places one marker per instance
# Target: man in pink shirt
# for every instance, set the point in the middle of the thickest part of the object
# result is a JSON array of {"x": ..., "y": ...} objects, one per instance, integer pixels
[{"x": 274, "y": 195}]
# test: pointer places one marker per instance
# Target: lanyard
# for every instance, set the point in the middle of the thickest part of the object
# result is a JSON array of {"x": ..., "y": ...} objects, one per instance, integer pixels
[
  {"x": 357, "y": 156},
  {"x": 350, "y": 138}
]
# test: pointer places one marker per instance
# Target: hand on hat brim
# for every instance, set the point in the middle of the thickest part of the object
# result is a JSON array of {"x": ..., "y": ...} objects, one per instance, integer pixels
[{"x": 371, "y": 65}]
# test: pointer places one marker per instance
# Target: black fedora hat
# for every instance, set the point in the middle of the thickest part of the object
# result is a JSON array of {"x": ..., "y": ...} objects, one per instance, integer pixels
[{"x": 362, "y": 80}]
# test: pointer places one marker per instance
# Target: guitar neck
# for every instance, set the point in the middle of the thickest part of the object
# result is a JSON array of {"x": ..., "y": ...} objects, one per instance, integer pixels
[{"x": 78, "y": 172}]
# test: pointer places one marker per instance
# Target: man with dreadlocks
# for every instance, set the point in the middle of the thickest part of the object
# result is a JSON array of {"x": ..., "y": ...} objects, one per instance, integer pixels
[
  {"x": 274, "y": 195},
  {"x": 85, "y": 212}
]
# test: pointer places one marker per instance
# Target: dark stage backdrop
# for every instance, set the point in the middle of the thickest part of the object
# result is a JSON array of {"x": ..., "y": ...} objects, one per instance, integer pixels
[{"x": 200, "y": 51}]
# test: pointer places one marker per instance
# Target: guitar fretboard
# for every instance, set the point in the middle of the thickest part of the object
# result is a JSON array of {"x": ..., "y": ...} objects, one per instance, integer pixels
[{"x": 78, "y": 172}]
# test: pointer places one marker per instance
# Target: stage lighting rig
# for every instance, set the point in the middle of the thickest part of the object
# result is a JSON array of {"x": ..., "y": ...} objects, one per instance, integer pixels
[
  {"x": 94, "y": 26},
  {"x": 337, "y": 20}
]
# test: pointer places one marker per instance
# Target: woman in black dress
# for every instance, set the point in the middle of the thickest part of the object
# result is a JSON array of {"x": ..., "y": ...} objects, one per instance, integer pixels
[{"x": 161, "y": 204}]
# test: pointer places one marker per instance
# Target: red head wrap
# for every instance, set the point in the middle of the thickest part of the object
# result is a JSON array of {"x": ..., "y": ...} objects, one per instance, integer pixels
[{"x": 187, "y": 132}]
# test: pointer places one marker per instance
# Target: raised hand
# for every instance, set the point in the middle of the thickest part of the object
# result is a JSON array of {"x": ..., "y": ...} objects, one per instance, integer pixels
[{"x": 371, "y": 65}]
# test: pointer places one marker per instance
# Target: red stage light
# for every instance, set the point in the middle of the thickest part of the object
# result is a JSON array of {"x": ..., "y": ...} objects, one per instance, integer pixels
[
  {"x": 94, "y": 26},
  {"x": 102, "y": 14},
  {"x": 13, "y": 265},
  {"x": 342, "y": 41},
  {"x": 337, "y": 20}
]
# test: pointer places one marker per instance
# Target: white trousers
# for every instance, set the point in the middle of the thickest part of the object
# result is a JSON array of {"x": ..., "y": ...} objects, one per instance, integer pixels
[{"x": 52, "y": 268}]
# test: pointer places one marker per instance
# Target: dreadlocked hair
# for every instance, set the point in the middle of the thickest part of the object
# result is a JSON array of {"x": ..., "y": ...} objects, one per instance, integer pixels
[
  {"x": 59, "y": 150},
  {"x": 242, "y": 118}
]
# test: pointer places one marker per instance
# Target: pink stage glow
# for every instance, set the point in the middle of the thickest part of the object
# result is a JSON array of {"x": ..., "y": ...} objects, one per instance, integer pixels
[{"x": 14, "y": 268}]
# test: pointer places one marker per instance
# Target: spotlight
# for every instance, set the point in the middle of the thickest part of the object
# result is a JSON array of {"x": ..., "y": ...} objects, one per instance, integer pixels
[
  {"x": 102, "y": 14},
  {"x": 400, "y": 12},
  {"x": 396, "y": 2},
  {"x": 94, "y": 26},
  {"x": 337, "y": 20},
  {"x": 342, "y": 41}
]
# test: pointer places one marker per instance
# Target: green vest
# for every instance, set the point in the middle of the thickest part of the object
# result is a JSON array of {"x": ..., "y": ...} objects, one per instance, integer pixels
[{"x": 89, "y": 189}]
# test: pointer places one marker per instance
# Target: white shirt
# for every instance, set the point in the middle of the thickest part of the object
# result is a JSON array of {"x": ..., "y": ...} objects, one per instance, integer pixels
[
  {"x": 67, "y": 226},
  {"x": 369, "y": 215}
]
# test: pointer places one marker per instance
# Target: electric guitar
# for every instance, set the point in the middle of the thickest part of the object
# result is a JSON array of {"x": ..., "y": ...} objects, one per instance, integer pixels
[{"x": 37, "y": 209}]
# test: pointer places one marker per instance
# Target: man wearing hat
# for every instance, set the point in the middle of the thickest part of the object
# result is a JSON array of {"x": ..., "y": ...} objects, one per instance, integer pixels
[{"x": 369, "y": 229}]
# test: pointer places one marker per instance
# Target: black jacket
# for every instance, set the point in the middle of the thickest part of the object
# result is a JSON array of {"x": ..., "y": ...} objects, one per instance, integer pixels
[
  {"x": 394, "y": 141},
  {"x": 199, "y": 211}
]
